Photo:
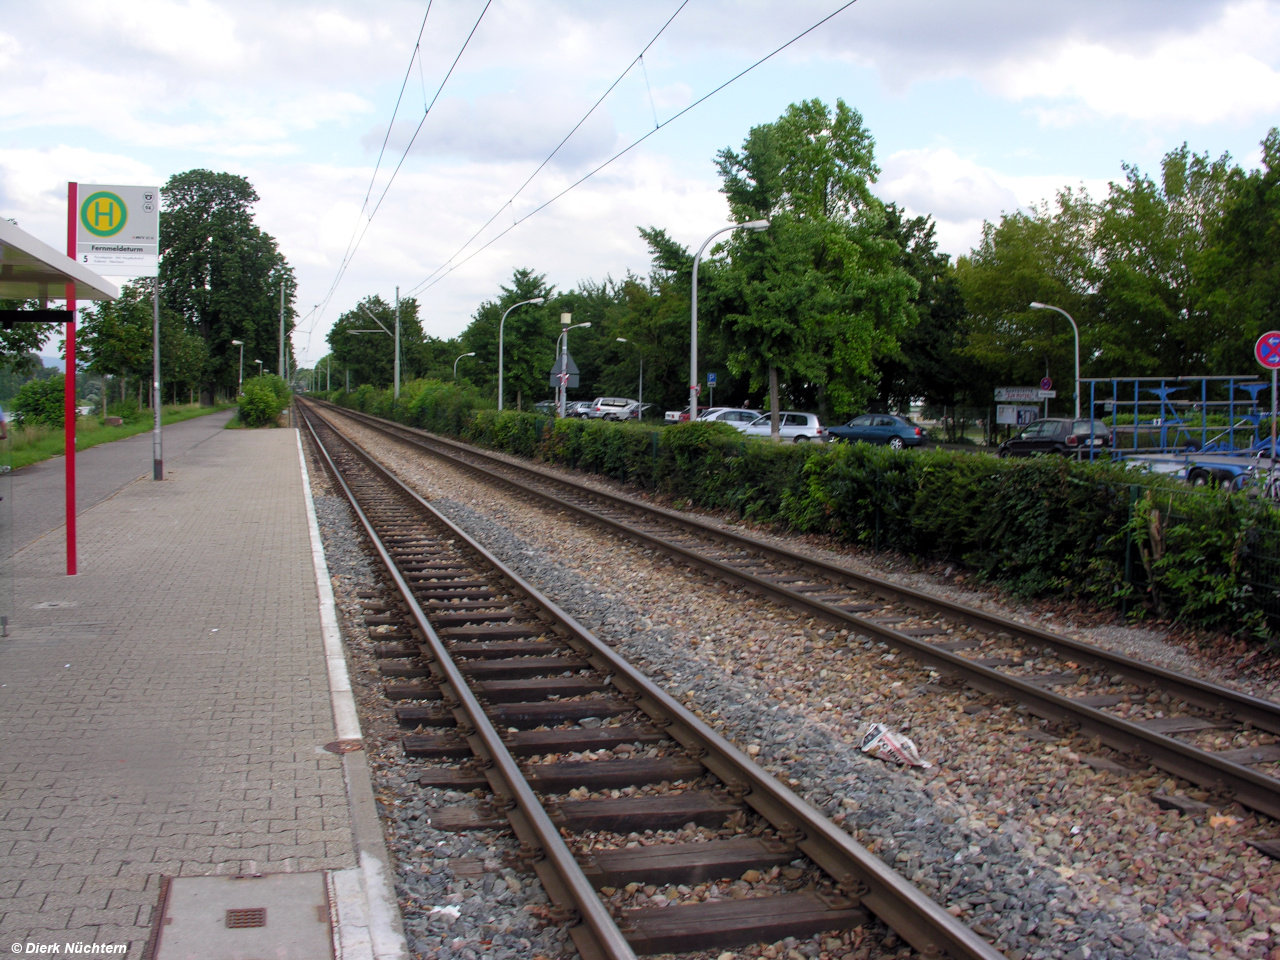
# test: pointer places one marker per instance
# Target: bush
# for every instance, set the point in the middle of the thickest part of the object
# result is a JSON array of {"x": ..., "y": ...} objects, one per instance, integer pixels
[
  {"x": 41, "y": 401},
  {"x": 263, "y": 400},
  {"x": 126, "y": 409},
  {"x": 1045, "y": 526}
]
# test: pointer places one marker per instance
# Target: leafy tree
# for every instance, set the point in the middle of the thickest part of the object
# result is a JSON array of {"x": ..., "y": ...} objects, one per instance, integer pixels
[
  {"x": 820, "y": 296},
  {"x": 1042, "y": 254},
  {"x": 1241, "y": 265},
  {"x": 116, "y": 334},
  {"x": 371, "y": 356},
  {"x": 929, "y": 364},
  {"x": 220, "y": 272},
  {"x": 528, "y": 339},
  {"x": 19, "y": 345}
]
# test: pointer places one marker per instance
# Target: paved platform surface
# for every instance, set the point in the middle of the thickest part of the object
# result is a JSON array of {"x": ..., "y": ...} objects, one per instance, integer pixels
[
  {"x": 38, "y": 491},
  {"x": 164, "y": 712}
]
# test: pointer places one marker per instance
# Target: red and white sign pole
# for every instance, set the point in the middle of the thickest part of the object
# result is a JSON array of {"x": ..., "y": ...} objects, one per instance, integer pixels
[
  {"x": 69, "y": 391},
  {"x": 1267, "y": 352}
]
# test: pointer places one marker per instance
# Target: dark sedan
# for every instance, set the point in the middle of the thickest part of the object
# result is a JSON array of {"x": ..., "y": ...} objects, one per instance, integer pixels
[
  {"x": 882, "y": 428},
  {"x": 1060, "y": 435}
]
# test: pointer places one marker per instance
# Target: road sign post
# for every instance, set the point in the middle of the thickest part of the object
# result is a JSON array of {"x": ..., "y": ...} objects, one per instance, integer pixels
[
  {"x": 711, "y": 388},
  {"x": 1267, "y": 352},
  {"x": 117, "y": 232}
]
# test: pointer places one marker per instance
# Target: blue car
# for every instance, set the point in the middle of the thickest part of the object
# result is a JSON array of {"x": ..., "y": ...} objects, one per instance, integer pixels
[{"x": 880, "y": 428}]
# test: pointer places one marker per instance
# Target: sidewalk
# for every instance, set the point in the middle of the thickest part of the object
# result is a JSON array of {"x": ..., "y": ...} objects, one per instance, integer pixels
[
  {"x": 38, "y": 490},
  {"x": 165, "y": 712}
]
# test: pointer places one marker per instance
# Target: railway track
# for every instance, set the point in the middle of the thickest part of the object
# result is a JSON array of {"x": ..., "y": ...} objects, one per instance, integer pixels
[
  {"x": 1215, "y": 737},
  {"x": 507, "y": 693}
]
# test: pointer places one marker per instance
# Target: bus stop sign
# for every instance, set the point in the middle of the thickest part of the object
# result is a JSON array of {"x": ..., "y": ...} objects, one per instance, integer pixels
[{"x": 1267, "y": 350}]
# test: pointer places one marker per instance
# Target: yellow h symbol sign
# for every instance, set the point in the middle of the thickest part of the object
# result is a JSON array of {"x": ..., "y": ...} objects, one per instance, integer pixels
[{"x": 104, "y": 209}]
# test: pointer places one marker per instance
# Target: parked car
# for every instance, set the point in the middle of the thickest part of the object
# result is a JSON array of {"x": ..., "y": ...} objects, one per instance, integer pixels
[
  {"x": 545, "y": 407},
  {"x": 609, "y": 408},
  {"x": 797, "y": 427},
  {"x": 880, "y": 428},
  {"x": 1060, "y": 435},
  {"x": 578, "y": 408},
  {"x": 638, "y": 411},
  {"x": 736, "y": 417}
]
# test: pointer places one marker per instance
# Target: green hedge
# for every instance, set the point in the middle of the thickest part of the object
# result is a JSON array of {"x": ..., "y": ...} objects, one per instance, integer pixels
[{"x": 1041, "y": 527}]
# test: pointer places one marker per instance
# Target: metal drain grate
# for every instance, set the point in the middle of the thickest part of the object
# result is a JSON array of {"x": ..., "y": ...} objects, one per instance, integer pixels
[{"x": 249, "y": 917}]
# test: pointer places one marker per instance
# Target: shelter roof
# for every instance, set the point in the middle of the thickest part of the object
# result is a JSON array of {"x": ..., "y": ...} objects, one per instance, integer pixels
[{"x": 31, "y": 269}]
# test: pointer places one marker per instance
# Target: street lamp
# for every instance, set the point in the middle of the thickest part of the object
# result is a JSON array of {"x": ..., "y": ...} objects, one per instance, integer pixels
[
  {"x": 564, "y": 364},
  {"x": 501, "y": 325},
  {"x": 455, "y": 362},
  {"x": 259, "y": 363},
  {"x": 1037, "y": 305},
  {"x": 640, "y": 391},
  {"x": 240, "y": 381},
  {"x": 756, "y": 225}
]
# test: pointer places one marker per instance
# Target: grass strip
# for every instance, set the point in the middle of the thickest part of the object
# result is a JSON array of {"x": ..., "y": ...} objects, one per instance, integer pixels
[{"x": 38, "y": 442}]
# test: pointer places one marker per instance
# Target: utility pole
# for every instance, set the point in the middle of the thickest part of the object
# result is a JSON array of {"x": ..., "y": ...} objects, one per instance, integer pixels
[
  {"x": 157, "y": 451},
  {"x": 397, "y": 362},
  {"x": 280, "y": 367}
]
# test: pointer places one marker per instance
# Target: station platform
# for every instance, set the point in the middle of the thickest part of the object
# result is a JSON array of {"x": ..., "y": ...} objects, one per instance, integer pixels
[{"x": 164, "y": 716}]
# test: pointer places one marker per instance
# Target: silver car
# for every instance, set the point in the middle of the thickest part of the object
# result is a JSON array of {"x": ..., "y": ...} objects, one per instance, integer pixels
[
  {"x": 797, "y": 427},
  {"x": 736, "y": 417},
  {"x": 609, "y": 408}
]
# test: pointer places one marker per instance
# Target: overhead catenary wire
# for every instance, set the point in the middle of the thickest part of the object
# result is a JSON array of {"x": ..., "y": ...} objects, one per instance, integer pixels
[
  {"x": 364, "y": 228},
  {"x": 639, "y": 58},
  {"x": 436, "y": 276}
]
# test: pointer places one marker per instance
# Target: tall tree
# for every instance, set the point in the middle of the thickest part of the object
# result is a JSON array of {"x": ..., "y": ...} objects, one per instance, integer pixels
[
  {"x": 371, "y": 356},
  {"x": 528, "y": 339},
  {"x": 222, "y": 273},
  {"x": 815, "y": 300},
  {"x": 928, "y": 364}
]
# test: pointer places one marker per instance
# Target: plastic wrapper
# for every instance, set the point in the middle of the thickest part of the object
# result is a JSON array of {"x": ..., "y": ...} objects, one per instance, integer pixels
[{"x": 883, "y": 744}]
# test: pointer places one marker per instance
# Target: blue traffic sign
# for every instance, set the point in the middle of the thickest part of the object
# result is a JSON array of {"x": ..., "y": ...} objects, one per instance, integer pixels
[{"x": 711, "y": 379}]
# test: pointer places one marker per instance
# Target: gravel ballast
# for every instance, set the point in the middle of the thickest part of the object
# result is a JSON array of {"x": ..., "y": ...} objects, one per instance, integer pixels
[{"x": 1011, "y": 830}]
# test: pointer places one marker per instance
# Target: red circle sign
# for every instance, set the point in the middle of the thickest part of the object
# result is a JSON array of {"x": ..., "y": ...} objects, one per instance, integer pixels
[
  {"x": 1267, "y": 350},
  {"x": 1046, "y": 384}
]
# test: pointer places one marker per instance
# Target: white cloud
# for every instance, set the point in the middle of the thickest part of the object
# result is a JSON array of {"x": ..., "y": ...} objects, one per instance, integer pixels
[{"x": 960, "y": 194}]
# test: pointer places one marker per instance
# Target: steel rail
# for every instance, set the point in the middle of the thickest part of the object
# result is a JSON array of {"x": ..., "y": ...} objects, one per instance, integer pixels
[
  {"x": 512, "y": 785},
  {"x": 1252, "y": 789},
  {"x": 1261, "y": 713},
  {"x": 913, "y": 915}
]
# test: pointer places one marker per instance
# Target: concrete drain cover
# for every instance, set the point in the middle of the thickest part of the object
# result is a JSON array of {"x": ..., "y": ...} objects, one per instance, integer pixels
[{"x": 281, "y": 916}]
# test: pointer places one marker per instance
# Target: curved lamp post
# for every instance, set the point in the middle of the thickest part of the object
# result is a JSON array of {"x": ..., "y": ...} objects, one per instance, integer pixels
[
  {"x": 259, "y": 363},
  {"x": 455, "y": 362},
  {"x": 240, "y": 381},
  {"x": 756, "y": 225},
  {"x": 1037, "y": 305},
  {"x": 501, "y": 324}
]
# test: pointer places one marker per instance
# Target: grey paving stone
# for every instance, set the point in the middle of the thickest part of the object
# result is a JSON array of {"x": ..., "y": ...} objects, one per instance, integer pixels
[{"x": 166, "y": 717}]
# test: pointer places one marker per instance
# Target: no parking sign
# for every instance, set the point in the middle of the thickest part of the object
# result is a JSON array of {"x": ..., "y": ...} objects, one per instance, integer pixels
[{"x": 1267, "y": 350}]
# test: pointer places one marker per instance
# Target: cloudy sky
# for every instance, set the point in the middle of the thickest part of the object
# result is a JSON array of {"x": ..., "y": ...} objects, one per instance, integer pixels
[{"x": 977, "y": 107}]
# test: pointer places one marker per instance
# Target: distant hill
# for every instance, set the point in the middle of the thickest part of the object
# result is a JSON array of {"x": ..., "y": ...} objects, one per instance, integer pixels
[{"x": 55, "y": 362}]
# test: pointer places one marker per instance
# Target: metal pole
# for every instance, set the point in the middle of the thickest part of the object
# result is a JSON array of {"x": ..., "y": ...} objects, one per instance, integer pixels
[
  {"x": 640, "y": 398},
  {"x": 693, "y": 312},
  {"x": 328, "y": 374},
  {"x": 397, "y": 362},
  {"x": 69, "y": 387},
  {"x": 157, "y": 448},
  {"x": 1273, "y": 425},
  {"x": 501, "y": 325},
  {"x": 280, "y": 366},
  {"x": 1037, "y": 305},
  {"x": 240, "y": 382}
]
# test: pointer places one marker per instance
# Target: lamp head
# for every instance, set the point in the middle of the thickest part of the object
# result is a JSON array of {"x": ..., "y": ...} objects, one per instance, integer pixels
[
  {"x": 1037, "y": 305},
  {"x": 577, "y": 325},
  {"x": 621, "y": 339},
  {"x": 538, "y": 300},
  {"x": 756, "y": 225},
  {"x": 237, "y": 343},
  {"x": 471, "y": 354}
]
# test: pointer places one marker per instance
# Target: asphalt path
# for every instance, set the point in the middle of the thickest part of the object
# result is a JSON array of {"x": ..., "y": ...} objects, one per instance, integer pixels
[{"x": 38, "y": 492}]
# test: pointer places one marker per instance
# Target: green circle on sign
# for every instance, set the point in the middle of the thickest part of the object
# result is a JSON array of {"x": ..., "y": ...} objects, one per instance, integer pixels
[{"x": 103, "y": 214}]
